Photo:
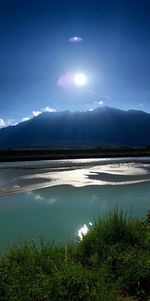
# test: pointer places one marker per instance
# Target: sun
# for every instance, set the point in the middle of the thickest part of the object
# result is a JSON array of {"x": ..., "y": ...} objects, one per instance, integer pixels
[{"x": 80, "y": 79}]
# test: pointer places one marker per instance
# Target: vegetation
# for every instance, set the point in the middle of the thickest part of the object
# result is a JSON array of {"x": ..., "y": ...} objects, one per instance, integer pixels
[
  {"x": 112, "y": 261},
  {"x": 54, "y": 152}
]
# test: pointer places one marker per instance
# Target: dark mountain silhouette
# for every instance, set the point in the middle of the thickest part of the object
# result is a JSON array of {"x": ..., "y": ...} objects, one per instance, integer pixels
[{"x": 102, "y": 126}]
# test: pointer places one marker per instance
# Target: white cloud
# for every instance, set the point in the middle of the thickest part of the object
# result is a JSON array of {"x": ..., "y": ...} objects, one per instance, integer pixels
[
  {"x": 103, "y": 99},
  {"x": 36, "y": 113},
  {"x": 9, "y": 122},
  {"x": 25, "y": 119},
  {"x": 91, "y": 110},
  {"x": 48, "y": 109},
  {"x": 5, "y": 123},
  {"x": 2, "y": 123},
  {"x": 100, "y": 102}
]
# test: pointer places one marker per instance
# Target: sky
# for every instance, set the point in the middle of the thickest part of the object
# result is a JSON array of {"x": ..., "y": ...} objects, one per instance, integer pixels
[{"x": 37, "y": 59}]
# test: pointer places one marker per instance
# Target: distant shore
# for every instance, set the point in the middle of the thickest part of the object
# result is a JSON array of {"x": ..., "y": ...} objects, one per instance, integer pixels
[{"x": 10, "y": 155}]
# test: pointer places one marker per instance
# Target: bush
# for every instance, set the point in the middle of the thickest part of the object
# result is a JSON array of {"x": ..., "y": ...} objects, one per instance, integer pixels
[
  {"x": 115, "y": 228},
  {"x": 119, "y": 247},
  {"x": 44, "y": 273},
  {"x": 130, "y": 270}
]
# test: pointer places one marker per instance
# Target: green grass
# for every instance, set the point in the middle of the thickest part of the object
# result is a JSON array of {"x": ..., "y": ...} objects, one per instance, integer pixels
[{"x": 111, "y": 260}]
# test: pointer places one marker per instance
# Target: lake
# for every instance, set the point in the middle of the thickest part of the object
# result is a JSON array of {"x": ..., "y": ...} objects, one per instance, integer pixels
[{"x": 58, "y": 200}]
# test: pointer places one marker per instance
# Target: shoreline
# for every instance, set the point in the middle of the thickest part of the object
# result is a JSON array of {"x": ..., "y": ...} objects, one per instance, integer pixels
[
  {"x": 14, "y": 155},
  {"x": 90, "y": 172},
  {"x": 46, "y": 185}
]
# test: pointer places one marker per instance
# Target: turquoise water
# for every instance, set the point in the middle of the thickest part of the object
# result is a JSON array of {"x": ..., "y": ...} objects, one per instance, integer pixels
[{"x": 57, "y": 213}]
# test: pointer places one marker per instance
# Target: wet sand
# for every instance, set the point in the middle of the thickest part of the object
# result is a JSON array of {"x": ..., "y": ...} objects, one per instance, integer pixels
[{"x": 29, "y": 176}]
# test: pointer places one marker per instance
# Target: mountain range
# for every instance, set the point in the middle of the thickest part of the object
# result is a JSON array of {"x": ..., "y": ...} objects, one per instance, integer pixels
[{"x": 102, "y": 126}]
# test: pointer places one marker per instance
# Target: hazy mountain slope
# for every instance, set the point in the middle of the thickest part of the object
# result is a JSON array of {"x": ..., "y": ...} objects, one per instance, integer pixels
[{"x": 100, "y": 126}]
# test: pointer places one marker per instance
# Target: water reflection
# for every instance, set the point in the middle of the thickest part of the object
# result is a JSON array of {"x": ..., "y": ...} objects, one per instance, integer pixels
[
  {"x": 56, "y": 200},
  {"x": 41, "y": 198},
  {"x": 84, "y": 230},
  {"x": 62, "y": 213}
]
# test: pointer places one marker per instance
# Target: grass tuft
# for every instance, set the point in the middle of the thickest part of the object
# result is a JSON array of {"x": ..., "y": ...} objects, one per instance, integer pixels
[{"x": 111, "y": 260}]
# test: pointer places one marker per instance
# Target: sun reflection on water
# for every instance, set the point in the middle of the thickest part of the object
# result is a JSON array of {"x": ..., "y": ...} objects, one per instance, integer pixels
[{"x": 84, "y": 230}]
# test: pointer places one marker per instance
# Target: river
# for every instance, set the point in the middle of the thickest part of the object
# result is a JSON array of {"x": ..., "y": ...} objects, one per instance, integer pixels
[{"x": 58, "y": 200}]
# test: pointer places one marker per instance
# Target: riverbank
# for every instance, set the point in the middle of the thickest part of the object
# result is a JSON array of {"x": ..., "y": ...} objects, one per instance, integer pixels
[
  {"x": 110, "y": 263},
  {"x": 10, "y": 155}
]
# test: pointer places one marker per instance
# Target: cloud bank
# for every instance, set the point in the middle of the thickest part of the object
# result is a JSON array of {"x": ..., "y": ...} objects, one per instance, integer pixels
[
  {"x": 9, "y": 122},
  {"x": 5, "y": 123},
  {"x": 36, "y": 113},
  {"x": 46, "y": 109}
]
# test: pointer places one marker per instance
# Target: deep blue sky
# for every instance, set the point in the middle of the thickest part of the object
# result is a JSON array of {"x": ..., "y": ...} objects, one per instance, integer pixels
[{"x": 35, "y": 52}]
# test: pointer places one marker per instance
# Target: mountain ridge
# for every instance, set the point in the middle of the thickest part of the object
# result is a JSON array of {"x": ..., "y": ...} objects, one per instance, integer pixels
[{"x": 101, "y": 126}]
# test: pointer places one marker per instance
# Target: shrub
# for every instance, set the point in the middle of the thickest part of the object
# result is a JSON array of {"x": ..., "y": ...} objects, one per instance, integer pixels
[
  {"x": 44, "y": 273},
  {"x": 115, "y": 228}
]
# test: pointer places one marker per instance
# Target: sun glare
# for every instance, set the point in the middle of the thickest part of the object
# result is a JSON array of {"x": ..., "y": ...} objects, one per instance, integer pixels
[{"x": 80, "y": 79}]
